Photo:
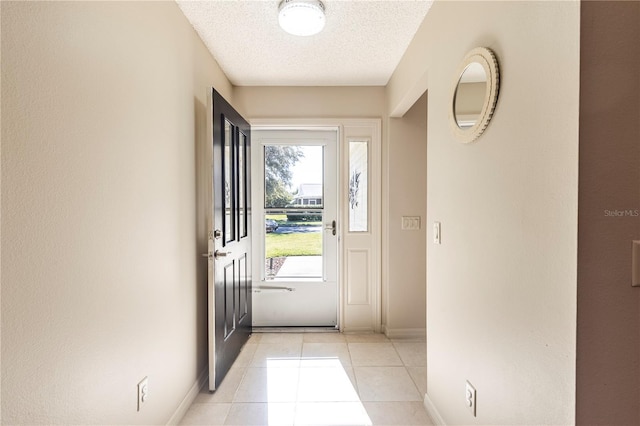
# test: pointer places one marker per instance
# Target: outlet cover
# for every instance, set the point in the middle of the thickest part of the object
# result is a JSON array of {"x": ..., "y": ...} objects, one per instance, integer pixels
[
  {"x": 143, "y": 392},
  {"x": 470, "y": 398}
]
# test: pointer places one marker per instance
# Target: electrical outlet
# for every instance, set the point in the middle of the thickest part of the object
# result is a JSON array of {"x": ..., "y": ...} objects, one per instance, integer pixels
[
  {"x": 470, "y": 398},
  {"x": 143, "y": 392}
]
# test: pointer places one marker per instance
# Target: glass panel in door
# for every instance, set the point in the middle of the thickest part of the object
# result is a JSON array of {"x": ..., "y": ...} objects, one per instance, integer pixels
[
  {"x": 242, "y": 184},
  {"x": 358, "y": 186},
  {"x": 227, "y": 169},
  {"x": 294, "y": 211}
]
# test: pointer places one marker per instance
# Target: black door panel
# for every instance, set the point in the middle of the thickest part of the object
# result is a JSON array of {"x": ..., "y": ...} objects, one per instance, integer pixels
[{"x": 231, "y": 215}]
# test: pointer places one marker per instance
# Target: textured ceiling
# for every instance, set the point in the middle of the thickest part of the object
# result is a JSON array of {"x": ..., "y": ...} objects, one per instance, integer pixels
[{"x": 361, "y": 44}]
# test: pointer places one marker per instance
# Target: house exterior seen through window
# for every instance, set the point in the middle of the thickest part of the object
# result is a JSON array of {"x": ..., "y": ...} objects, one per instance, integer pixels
[{"x": 309, "y": 194}]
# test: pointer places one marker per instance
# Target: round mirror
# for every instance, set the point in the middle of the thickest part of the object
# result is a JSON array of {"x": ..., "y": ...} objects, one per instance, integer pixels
[
  {"x": 469, "y": 96},
  {"x": 475, "y": 94}
]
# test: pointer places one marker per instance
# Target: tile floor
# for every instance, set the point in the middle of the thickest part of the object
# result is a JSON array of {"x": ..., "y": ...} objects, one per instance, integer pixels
[{"x": 319, "y": 379}]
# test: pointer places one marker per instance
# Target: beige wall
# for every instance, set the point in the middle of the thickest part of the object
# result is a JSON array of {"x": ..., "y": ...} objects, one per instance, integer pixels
[
  {"x": 103, "y": 113},
  {"x": 608, "y": 370},
  {"x": 501, "y": 295},
  {"x": 309, "y": 102},
  {"x": 404, "y": 254}
]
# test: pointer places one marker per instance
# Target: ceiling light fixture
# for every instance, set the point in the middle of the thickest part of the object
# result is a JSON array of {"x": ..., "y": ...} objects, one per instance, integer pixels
[{"x": 301, "y": 17}]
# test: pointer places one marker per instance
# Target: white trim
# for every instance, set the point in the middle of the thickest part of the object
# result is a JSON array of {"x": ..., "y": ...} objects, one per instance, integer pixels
[
  {"x": 358, "y": 330},
  {"x": 211, "y": 306},
  {"x": 398, "y": 333},
  {"x": 184, "y": 406},
  {"x": 432, "y": 411},
  {"x": 384, "y": 212}
]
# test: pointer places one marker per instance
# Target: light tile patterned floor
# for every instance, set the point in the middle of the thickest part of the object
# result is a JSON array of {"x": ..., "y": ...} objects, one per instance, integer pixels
[{"x": 319, "y": 379}]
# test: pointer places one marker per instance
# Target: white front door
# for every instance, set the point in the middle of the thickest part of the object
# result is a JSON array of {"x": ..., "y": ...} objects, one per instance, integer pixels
[{"x": 295, "y": 211}]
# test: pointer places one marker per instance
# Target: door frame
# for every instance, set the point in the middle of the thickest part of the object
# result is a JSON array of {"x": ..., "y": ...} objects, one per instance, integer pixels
[{"x": 354, "y": 315}]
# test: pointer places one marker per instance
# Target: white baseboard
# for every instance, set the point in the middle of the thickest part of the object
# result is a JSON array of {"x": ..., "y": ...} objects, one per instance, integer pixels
[
  {"x": 358, "y": 330},
  {"x": 189, "y": 398},
  {"x": 432, "y": 411},
  {"x": 398, "y": 333}
]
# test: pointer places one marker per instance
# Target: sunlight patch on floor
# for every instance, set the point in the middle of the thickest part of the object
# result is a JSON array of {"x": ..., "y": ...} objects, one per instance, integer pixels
[{"x": 325, "y": 394}]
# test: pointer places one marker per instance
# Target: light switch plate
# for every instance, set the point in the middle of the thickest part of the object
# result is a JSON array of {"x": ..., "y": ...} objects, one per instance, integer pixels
[
  {"x": 410, "y": 223},
  {"x": 436, "y": 233}
]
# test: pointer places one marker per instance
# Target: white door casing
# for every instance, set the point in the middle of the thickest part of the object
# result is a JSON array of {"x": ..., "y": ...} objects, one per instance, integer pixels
[{"x": 359, "y": 252}]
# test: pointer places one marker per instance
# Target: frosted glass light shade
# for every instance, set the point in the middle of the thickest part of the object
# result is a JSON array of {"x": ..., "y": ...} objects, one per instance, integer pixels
[{"x": 301, "y": 17}]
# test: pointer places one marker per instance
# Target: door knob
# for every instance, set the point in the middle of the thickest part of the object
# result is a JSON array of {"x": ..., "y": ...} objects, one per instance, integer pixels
[
  {"x": 331, "y": 227},
  {"x": 219, "y": 253},
  {"x": 206, "y": 255}
]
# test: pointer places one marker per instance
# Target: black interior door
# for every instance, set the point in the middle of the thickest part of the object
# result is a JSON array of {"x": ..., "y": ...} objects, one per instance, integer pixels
[{"x": 230, "y": 292}]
